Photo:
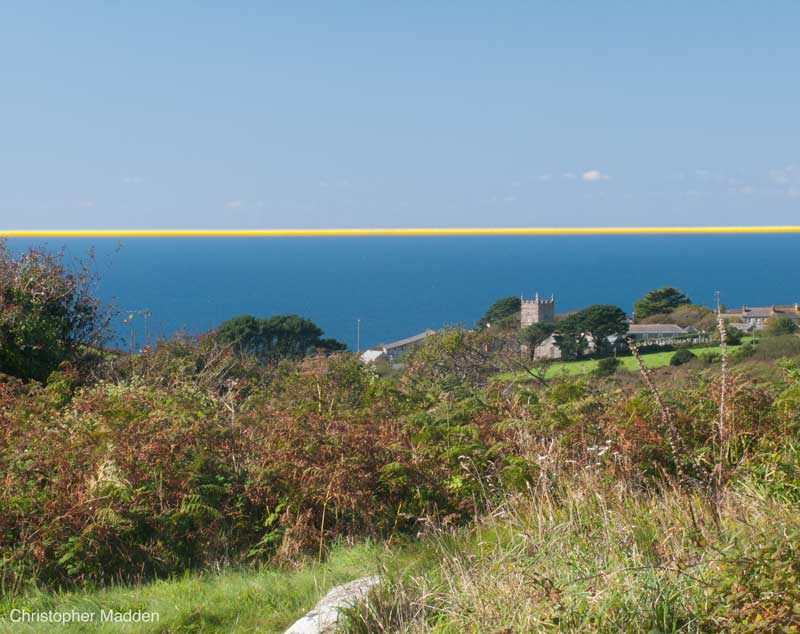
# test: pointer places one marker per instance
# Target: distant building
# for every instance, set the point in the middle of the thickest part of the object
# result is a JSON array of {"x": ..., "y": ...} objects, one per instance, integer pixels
[
  {"x": 756, "y": 316},
  {"x": 657, "y": 335},
  {"x": 548, "y": 349},
  {"x": 658, "y": 332},
  {"x": 392, "y": 352},
  {"x": 536, "y": 310},
  {"x": 372, "y": 355}
]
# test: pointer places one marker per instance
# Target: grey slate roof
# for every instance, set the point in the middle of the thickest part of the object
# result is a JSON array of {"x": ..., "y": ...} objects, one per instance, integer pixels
[
  {"x": 763, "y": 312},
  {"x": 404, "y": 342},
  {"x": 655, "y": 329}
]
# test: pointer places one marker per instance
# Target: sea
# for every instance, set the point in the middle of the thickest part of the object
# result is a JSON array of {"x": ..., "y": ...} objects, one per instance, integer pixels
[{"x": 388, "y": 288}]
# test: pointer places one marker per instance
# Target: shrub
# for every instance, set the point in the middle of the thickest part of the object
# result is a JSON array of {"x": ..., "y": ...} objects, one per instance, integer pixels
[
  {"x": 682, "y": 356},
  {"x": 757, "y": 587},
  {"x": 607, "y": 366},
  {"x": 777, "y": 347},
  {"x": 777, "y": 326},
  {"x": 746, "y": 351},
  {"x": 702, "y": 318},
  {"x": 47, "y": 312}
]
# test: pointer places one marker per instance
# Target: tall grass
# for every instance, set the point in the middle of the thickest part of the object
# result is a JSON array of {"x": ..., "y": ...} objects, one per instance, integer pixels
[{"x": 589, "y": 556}]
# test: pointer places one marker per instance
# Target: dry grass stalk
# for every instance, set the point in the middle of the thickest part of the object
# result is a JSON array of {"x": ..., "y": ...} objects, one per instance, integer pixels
[
  {"x": 674, "y": 437},
  {"x": 718, "y": 479}
]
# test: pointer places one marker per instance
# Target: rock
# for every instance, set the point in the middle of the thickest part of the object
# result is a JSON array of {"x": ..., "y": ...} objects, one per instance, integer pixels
[{"x": 324, "y": 616}]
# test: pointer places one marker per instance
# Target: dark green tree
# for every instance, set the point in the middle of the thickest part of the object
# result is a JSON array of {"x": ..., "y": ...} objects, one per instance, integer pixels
[
  {"x": 659, "y": 302},
  {"x": 48, "y": 313},
  {"x": 278, "y": 337},
  {"x": 596, "y": 323},
  {"x": 504, "y": 313}
]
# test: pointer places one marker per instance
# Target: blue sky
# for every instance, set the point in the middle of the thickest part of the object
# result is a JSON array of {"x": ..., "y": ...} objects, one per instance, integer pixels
[{"x": 380, "y": 114}]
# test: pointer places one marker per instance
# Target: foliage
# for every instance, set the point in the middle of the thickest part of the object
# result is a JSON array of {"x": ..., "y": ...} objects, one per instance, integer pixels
[
  {"x": 580, "y": 554},
  {"x": 451, "y": 361},
  {"x": 734, "y": 335},
  {"x": 190, "y": 457},
  {"x": 597, "y": 322},
  {"x": 684, "y": 355},
  {"x": 504, "y": 313},
  {"x": 695, "y": 315},
  {"x": 607, "y": 366},
  {"x": 278, "y": 337},
  {"x": 770, "y": 348},
  {"x": 659, "y": 301},
  {"x": 48, "y": 314},
  {"x": 757, "y": 587},
  {"x": 777, "y": 326}
]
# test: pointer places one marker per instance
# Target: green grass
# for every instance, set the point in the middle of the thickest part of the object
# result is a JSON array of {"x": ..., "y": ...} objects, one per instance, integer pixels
[
  {"x": 233, "y": 601},
  {"x": 572, "y": 368}
]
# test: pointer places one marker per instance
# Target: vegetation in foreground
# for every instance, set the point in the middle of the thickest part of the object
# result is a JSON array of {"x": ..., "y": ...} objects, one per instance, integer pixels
[
  {"x": 662, "y": 504},
  {"x": 583, "y": 554}
]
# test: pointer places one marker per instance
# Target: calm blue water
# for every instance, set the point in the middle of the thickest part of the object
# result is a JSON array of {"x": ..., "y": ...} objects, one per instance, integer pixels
[{"x": 400, "y": 286}]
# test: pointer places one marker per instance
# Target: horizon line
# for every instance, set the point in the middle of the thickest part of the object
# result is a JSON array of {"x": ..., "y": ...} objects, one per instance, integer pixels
[{"x": 355, "y": 232}]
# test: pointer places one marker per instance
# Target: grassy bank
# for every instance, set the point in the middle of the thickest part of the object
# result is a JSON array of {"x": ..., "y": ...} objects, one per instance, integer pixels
[
  {"x": 264, "y": 601},
  {"x": 588, "y": 556}
]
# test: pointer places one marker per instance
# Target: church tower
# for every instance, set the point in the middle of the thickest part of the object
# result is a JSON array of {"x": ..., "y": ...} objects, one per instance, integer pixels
[{"x": 537, "y": 310}]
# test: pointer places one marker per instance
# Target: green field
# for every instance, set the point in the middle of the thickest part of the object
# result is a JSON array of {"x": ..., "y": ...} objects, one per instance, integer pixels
[{"x": 651, "y": 360}]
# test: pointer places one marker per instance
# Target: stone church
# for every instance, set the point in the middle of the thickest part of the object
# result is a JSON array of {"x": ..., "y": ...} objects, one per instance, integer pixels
[{"x": 537, "y": 310}]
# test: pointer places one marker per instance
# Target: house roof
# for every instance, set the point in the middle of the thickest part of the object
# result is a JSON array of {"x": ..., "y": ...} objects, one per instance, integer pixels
[
  {"x": 404, "y": 342},
  {"x": 655, "y": 329},
  {"x": 368, "y": 356},
  {"x": 764, "y": 312}
]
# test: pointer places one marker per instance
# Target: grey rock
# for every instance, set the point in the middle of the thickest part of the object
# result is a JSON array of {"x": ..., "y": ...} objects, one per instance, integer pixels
[{"x": 325, "y": 615}]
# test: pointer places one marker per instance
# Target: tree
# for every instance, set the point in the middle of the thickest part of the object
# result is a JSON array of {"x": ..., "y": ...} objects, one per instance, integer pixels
[
  {"x": 453, "y": 360},
  {"x": 597, "y": 322},
  {"x": 659, "y": 301},
  {"x": 504, "y": 313},
  {"x": 275, "y": 338},
  {"x": 48, "y": 313},
  {"x": 777, "y": 326}
]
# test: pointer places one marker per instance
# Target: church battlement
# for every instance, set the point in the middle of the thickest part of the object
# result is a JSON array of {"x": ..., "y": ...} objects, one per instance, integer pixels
[{"x": 537, "y": 310}]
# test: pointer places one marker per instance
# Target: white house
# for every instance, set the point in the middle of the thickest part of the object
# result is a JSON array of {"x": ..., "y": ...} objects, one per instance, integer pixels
[{"x": 392, "y": 352}]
